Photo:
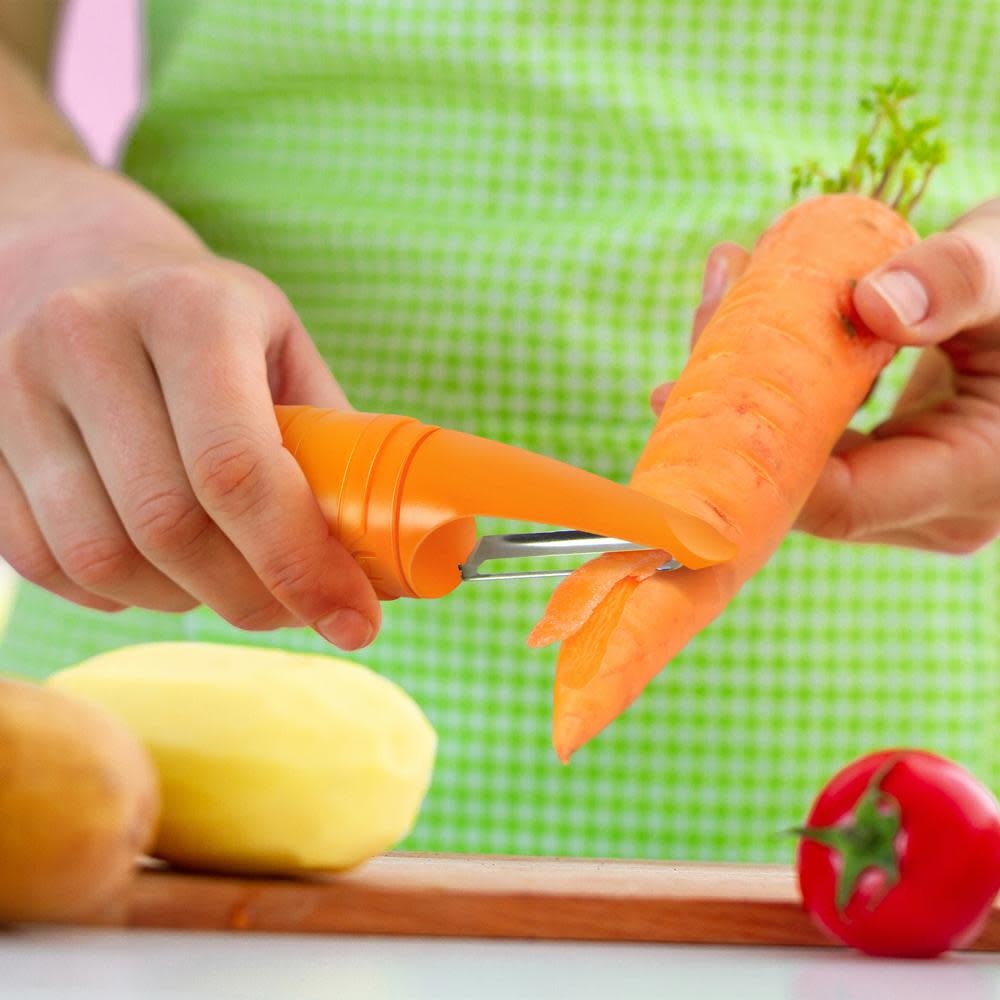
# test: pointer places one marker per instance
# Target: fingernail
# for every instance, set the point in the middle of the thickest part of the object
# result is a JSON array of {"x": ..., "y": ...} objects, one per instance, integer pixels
[
  {"x": 346, "y": 628},
  {"x": 904, "y": 294},
  {"x": 714, "y": 282}
]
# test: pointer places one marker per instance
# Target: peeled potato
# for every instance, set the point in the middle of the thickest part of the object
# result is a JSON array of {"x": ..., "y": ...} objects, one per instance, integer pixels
[
  {"x": 78, "y": 804},
  {"x": 269, "y": 761}
]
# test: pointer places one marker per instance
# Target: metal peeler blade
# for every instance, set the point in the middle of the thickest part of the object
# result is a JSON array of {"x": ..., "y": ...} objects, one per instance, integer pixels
[{"x": 542, "y": 543}]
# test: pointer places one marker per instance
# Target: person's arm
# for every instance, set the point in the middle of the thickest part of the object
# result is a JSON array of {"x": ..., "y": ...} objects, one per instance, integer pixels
[
  {"x": 30, "y": 29},
  {"x": 140, "y": 458},
  {"x": 28, "y": 119},
  {"x": 928, "y": 477}
]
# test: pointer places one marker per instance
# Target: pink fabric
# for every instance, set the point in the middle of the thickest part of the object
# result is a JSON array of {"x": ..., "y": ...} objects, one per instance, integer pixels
[{"x": 97, "y": 71}]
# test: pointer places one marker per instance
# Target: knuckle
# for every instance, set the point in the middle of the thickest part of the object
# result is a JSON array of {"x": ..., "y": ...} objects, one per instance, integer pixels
[
  {"x": 195, "y": 293},
  {"x": 971, "y": 536},
  {"x": 847, "y": 522},
  {"x": 36, "y": 564},
  {"x": 73, "y": 316},
  {"x": 291, "y": 574},
  {"x": 99, "y": 563},
  {"x": 16, "y": 363},
  {"x": 964, "y": 544},
  {"x": 969, "y": 262},
  {"x": 229, "y": 474},
  {"x": 265, "y": 618},
  {"x": 183, "y": 286},
  {"x": 169, "y": 522}
]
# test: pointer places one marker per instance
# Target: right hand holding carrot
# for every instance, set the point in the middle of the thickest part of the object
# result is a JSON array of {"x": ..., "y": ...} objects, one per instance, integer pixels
[
  {"x": 140, "y": 458},
  {"x": 929, "y": 476}
]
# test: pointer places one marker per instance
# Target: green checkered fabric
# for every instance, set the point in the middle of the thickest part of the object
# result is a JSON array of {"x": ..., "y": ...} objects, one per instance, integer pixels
[{"x": 492, "y": 215}]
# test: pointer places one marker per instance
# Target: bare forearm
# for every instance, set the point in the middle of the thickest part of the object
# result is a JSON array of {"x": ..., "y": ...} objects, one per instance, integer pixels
[
  {"x": 29, "y": 119},
  {"x": 54, "y": 200}
]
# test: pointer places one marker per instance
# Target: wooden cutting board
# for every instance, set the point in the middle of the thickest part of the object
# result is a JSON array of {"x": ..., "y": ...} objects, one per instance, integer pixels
[{"x": 483, "y": 896}]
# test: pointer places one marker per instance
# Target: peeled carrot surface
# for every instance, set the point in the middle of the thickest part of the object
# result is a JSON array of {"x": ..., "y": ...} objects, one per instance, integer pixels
[{"x": 773, "y": 381}]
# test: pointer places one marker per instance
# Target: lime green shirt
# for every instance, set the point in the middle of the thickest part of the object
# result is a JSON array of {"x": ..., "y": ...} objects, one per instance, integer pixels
[{"x": 493, "y": 215}]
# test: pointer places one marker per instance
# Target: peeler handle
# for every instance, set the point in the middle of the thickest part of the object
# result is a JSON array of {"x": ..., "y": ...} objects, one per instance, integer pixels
[
  {"x": 402, "y": 496},
  {"x": 355, "y": 464}
]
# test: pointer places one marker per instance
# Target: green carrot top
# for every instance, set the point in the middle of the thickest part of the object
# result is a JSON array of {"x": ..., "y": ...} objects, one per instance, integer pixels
[{"x": 893, "y": 160}]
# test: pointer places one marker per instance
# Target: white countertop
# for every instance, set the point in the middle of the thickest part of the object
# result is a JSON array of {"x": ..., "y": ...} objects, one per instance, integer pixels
[{"x": 71, "y": 964}]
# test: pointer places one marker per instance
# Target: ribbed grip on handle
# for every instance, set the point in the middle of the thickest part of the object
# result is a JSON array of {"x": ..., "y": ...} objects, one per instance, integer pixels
[{"x": 356, "y": 464}]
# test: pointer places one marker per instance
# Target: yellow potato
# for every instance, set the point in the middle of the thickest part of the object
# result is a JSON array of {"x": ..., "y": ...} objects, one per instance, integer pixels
[
  {"x": 78, "y": 804},
  {"x": 269, "y": 761}
]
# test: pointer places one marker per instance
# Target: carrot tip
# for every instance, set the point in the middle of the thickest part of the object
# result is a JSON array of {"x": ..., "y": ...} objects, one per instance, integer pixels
[{"x": 569, "y": 733}]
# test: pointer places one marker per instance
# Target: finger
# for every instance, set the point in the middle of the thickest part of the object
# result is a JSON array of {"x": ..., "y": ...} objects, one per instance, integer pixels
[
  {"x": 950, "y": 535},
  {"x": 888, "y": 485},
  {"x": 658, "y": 397},
  {"x": 948, "y": 283},
  {"x": 23, "y": 547},
  {"x": 931, "y": 381},
  {"x": 851, "y": 501},
  {"x": 76, "y": 518},
  {"x": 129, "y": 438},
  {"x": 848, "y": 441},
  {"x": 724, "y": 264},
  {"x": 248, "y": 483},
  {"x": 297, "y": 373}
]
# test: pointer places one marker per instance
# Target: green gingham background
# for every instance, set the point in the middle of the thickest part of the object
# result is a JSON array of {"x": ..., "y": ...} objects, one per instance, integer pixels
[{"x": 493, "y": 216}]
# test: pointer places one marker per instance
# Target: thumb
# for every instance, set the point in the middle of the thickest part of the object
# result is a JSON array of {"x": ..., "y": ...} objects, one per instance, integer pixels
[{"x": 948, "y": 283}]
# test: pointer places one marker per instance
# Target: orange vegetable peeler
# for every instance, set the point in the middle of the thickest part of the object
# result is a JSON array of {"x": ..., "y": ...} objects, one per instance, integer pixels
[{"x": 403, "y": 497}]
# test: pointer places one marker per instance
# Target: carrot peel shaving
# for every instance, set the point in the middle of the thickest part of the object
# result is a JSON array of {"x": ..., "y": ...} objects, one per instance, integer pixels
[{"x": 577, "y": 597}]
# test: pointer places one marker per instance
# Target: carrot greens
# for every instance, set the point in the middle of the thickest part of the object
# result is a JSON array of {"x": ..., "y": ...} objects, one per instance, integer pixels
[{"x": 893, "y": 160}]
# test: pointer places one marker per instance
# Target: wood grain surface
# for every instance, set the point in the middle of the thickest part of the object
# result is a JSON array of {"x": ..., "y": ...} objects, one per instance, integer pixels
[{"x": 483, "y": 896}]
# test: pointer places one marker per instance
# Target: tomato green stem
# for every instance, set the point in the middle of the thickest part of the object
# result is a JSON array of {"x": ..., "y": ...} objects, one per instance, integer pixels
[{"x": 866, "y": 841}]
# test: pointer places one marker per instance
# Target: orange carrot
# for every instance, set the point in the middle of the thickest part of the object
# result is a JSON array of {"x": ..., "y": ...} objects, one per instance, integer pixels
[
  {"x": 579, "y": 595},
  {"x": 771, "y": 384}
]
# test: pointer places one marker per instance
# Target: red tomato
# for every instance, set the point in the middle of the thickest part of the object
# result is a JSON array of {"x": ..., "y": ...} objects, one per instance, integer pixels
[{"x": 911, "y": 843}]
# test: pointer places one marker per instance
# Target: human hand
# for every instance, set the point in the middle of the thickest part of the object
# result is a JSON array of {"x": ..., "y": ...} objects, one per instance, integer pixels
[
  {"x": 929, "y": 476},
  {"x": 140, "y": 458}
]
